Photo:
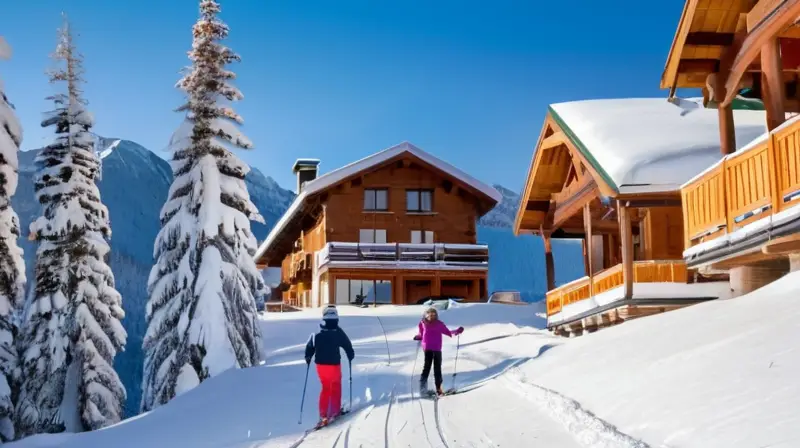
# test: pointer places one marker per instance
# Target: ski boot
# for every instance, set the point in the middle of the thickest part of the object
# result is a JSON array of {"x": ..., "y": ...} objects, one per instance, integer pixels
[
  {"x": 440, "y": 391},
  {"x": 323, "y": 422}
]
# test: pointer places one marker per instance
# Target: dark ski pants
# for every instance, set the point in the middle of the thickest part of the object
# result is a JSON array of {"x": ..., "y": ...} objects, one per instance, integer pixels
[{"x": 435, "y": 358}]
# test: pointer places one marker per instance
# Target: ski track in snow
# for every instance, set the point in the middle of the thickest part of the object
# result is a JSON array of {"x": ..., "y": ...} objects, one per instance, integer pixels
[
  {"x": 588, "y": 429},
  {"x": 438, "y": 424}
]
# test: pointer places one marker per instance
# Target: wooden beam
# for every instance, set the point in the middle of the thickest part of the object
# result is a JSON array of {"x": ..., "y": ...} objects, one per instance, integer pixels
[
  {"x": 569, "y": 207},
  {"x": 698, "y": 66},
  {"x": 587, "y": 246},
  {"x": 772, "y": 87},
  {"x": 537, "y": 206},
  {"x": 526, "y": 192},
  {"x": 598, "y": 227},
  {"x": 704, "y": 38},
  {"x": 549, "y": 262},
  {"x": 627, "y": 248},
  {"x": 669, "y": 77},
  {"x": 649, "y": 203},
  {"x": 760, "y": 11},
  {"x": 556, "y": 139},
  {"x": 783, "y": 246},
  {"x": 774, "y": 20}
]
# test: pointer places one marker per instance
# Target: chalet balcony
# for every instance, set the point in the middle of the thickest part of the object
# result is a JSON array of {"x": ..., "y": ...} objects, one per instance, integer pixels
[
  {"x": 403, "y": 255},
  {"x": 300, "y": 267},
  {"x": 663, "y": 284},
  {"x": 746, "y": 205}
]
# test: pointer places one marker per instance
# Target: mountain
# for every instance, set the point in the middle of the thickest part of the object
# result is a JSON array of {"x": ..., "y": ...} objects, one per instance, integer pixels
[
  {"x": 503, "y": 214},
  {"x": 134, "y": 186}
]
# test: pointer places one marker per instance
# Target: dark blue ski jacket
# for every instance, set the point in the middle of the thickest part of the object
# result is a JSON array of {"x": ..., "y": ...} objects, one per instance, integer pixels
[{"x": 326, "y": 343}]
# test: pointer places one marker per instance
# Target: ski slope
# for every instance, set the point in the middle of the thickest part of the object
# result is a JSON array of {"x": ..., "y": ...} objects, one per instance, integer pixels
[{"x": 720, "y": 374}]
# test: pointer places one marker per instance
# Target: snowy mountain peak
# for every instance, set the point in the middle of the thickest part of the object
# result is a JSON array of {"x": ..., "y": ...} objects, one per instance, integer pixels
[
  {"x": 103, "y": 149},
  {"x": 504, "y": 213}
]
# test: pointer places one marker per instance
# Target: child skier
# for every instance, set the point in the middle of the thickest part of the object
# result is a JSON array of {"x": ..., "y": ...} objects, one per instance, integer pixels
[
  {"x": 430, "y": 333},
  {"x": 324, "y": 347}
]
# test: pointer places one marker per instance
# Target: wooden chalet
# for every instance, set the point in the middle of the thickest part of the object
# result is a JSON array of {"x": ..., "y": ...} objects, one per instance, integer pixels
[
  {"x": 394, "y": 227},
  {"x": 741, "y": 214},
  {"x": 609, "y": 172}
]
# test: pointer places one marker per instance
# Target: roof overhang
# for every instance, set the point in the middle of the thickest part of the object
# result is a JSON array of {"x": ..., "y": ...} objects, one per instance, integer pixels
[{"x": 707, "y": 31}]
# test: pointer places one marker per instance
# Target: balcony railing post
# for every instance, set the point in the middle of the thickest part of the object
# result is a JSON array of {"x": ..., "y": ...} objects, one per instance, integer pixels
[{"x": 776, "y": 202}]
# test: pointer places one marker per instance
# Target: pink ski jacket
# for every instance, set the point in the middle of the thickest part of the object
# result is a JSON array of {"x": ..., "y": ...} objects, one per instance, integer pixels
[{"x": 431, "y": 334}]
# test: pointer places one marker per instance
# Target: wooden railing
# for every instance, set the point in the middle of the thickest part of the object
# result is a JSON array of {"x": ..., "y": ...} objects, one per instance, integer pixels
[
  {"x": 744, "y": 187},
  {"x": 651, "y": 271},
  {"x": 467, "y": 255}
]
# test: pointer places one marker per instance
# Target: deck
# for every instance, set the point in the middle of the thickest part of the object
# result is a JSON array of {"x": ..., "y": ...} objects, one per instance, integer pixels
[
  {"x": 747, "y": 199},
  {"x": 402, "y": 255},
  {"x": 658, "y": 285}
]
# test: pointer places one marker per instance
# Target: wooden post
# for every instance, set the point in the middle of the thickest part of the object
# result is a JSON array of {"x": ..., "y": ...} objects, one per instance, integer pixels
[
  {"x": 549, "y": 263},
  {"x": 772, "y": 87},
  {"x": 627, "y": 247},
  {"x": 727, "y": 134},
  {"x": 399, "y": 290},
  {"x": 587, "y": 246}
]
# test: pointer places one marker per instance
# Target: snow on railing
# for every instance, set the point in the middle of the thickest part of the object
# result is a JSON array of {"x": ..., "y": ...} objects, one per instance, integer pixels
[
  {"x": 743, "y": 188},
  {"x": 449, "y": 254}
]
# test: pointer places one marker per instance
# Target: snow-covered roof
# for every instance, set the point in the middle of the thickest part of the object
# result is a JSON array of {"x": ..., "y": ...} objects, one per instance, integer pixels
[
  {"x": 650, "y": 144},
  {"x": 332, "y": 178}
]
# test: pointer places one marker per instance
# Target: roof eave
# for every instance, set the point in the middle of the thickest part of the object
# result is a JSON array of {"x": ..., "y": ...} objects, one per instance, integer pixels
[
  {"x": 280, "y": 225},
  {"x": 669, "y": 76}
]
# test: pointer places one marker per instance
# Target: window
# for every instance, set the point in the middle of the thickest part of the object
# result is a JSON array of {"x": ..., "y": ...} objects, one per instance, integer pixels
[
  {"x": 421, "y": 237},
  {"x": 372, "y": 236},
  {"x": 376, "y": 200},
  {"x": 363, "y": 291},
  {"x": 419, "y": 200}
]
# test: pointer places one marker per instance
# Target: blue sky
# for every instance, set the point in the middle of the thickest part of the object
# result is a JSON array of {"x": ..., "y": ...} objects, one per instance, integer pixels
[{"x": 468, "y": 81}]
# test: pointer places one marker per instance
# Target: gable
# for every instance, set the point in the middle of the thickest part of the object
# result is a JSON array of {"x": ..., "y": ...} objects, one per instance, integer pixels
[
  {"x": 558, "y": 170},
  {"x": 392, "y": 155},
  {"x": 407, "y": 171}
]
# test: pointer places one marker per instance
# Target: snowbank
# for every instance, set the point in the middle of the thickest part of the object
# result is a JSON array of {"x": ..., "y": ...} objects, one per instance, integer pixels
[{"x": 719, "y": 374}]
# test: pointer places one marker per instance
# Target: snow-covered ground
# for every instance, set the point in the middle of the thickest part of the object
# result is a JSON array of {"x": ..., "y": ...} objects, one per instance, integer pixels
[{"x": 719, "y": 374}]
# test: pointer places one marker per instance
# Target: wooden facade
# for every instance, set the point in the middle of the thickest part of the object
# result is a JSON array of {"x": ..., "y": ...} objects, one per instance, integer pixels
[
  {"x": 630, "y": 240},
  {"x": 740, "y": 213},
  {"x": 394, "y": 230}
]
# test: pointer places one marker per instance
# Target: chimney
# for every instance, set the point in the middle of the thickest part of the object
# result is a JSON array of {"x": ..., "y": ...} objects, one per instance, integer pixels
[{"x": 306, "y": 171}]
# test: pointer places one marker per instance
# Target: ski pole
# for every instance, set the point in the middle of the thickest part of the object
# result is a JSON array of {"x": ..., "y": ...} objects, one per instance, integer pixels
[
  {"x": 351, "y": 382},
  {"x": 455, "y": 366},
  {"x": 385, "y": 338},
  {"x": 303, "y": 400}
]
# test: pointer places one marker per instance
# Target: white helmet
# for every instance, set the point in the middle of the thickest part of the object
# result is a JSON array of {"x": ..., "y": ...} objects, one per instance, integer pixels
[{"x": 330, "y": 313}]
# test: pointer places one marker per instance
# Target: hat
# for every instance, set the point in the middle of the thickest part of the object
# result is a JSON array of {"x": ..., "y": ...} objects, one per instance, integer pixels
[{"x": 330, "y": 313}]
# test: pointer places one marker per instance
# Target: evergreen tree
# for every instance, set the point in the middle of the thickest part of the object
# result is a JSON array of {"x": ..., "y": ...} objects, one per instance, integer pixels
[
  {"x": 201, "y": 313},
  {"x": 12, "y": 265},
  {"x": 72, "y": 328}
]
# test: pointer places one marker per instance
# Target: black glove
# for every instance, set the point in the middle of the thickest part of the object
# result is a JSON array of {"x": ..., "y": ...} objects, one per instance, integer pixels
[{"x": 308, "y": 360}]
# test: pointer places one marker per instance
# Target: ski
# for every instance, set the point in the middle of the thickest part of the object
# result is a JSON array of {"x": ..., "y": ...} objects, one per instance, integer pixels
[
  {"x": 330, "y": 421},
  {"x": 434, "y": 395}
]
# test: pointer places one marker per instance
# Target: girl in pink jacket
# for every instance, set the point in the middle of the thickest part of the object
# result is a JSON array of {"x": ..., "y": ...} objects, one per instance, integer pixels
[{"x": 430, "y": 333}]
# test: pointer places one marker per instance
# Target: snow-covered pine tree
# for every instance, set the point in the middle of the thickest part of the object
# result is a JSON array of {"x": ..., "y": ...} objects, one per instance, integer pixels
[
  {"x": 72, "y": 328},
  {"x": 12, "y": 265},
  {"x": 201, "y": 313}
]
